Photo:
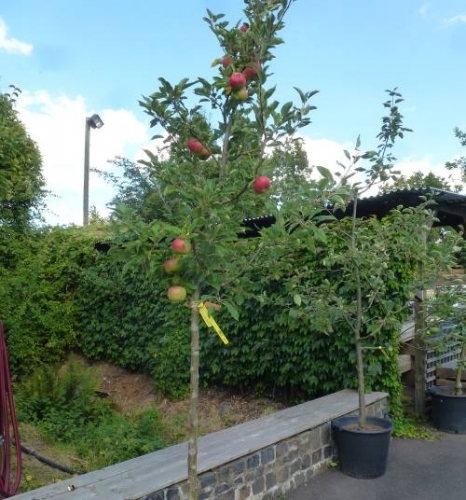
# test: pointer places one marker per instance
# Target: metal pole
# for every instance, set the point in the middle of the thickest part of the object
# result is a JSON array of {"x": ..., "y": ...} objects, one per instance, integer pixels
[{"x": 86, "y": 173}]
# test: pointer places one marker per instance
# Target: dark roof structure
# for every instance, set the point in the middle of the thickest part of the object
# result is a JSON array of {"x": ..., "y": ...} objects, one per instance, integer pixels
[{"x": 450, "y": 208}]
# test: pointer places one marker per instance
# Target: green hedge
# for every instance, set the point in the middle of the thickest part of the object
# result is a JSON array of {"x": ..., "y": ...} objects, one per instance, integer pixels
[
  {"x": 274, "y": 348},
  {"x": 58, "y": 294},
  {"x": 39, "y": 274}
]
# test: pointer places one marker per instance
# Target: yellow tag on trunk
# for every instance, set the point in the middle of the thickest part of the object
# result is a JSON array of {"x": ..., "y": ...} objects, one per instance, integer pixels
[{"x": 210, "y": 322}]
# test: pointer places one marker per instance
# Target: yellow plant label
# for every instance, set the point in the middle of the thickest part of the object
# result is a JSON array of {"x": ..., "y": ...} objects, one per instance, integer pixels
[{"x": 210, "y": 322}]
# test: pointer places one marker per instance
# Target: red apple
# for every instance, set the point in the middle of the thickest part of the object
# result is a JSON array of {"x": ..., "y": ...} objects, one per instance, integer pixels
[
  {"x": 237, "y": 80},
  {"x": 181, "y": 246},
  {"x": 250, "y": 73},
  {"x": 176, "y": 293},
  {"x": 203, "y": 154},
  {"x": 241, "y": 94},
  {"x": 194, "y": 145},
  {"x": 244, "y": 27},
  {"x": 172, "y": 265},
  {"x": 261, "y": 184},
  {"x": 227, "y": 61}
]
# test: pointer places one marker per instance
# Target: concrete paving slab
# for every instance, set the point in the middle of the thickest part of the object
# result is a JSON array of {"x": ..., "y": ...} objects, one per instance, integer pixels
[{"x": 424, "y": 470}]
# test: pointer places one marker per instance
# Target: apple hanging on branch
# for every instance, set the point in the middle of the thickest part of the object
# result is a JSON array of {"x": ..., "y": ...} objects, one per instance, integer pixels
[
  {"x": 261, "y": 184},
  {"x": 237, "y": 80},
  {"x": 172, "y": 265},
  {"x": 197, "y": 148},
  {"x": 241, "y": 94},
  {"x": 176, "y": 294},
  {"x": 228, "y": 61},
  {"x": 181, "y": 246},
  {"x": 250, "y": 72}
]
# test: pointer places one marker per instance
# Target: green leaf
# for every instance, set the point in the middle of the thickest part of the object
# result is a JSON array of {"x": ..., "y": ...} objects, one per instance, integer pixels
[
  {"x": 302, "y": 95},
  {"x": 297, "y": 299},
  {"x": 234, "y": 313},
  {"x": 325, "y": 173}
]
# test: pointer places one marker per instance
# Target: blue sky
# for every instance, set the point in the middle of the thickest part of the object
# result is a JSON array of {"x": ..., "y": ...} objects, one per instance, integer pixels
[{"x": 73, "y": 58}]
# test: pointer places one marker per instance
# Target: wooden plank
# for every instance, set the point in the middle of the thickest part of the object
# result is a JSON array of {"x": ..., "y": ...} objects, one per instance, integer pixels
[
  {"x": 449, "y": 383},
  {"x": 405, "y": 363},
  {"x": 141, "y": 476},
  {"x": 420, "y": 361},
  {"x": 407, "y": 331},
  {"x": 447, "y": 371}
]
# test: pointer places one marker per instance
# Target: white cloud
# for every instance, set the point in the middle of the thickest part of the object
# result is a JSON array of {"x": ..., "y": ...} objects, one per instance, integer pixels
[
  {"x": 326, "y": 152},
  {"x": 408, "y": 167},
  {"x": 423, "y": 9},
  {"x": 456, "y": 19},
  {"x": 57, "y": 124},
  {"x": 12, "y": 45}
]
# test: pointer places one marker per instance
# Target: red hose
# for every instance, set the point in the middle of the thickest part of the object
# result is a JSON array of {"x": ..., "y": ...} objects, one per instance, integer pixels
[{"x": 8, "y": 425}]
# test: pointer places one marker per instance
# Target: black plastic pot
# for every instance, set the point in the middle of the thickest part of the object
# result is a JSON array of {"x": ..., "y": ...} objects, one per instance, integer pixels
[
  {"x": 362, "y": 453},
  {"x": 448, "y": 410}
]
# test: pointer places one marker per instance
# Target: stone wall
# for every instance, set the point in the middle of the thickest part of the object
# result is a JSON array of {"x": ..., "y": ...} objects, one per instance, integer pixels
[
  {"x": 260, "y": 459},
  {"x": 268, "y": 473}
]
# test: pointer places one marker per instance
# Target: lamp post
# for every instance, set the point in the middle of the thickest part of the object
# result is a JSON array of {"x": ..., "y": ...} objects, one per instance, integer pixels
[{"x": 91, "y": 122}]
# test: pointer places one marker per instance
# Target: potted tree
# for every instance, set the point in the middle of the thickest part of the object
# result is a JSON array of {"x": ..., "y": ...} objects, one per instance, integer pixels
[
  {"x": 446, "y": 333},
  {"x": 359, "y": 301},
  {"x": 372, "y": 316}
]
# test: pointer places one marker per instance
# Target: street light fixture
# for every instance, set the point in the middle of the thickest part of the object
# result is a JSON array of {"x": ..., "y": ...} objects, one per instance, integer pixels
[{"x": 94, "y": 122}]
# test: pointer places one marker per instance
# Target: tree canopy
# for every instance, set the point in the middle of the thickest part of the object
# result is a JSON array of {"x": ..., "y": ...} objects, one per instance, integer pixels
[
  {"x": 22, "y": 185},
  {"x": 419, "y": 180}
]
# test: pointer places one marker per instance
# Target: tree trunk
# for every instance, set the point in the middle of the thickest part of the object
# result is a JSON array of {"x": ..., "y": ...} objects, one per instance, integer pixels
[
  {"x": 359, "y": 357},
  {"x": 420, "y": 358},
  {"x": 359, "y": 313},
  {"x": 193, "y": 485},
  {"x": 459, "y": 372}
]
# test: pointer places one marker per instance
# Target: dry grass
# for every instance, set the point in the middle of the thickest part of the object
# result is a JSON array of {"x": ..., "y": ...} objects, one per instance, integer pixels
[{"x": 130, "y": 393}]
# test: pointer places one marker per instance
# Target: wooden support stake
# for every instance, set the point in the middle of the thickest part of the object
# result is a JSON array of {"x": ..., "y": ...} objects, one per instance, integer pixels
[{"x": 420, "y": 356}]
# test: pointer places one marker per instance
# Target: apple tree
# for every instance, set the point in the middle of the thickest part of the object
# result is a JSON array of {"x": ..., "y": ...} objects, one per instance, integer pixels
[
  {"x": 369, "y": 267},
  {"x": 213, "y": 171}
]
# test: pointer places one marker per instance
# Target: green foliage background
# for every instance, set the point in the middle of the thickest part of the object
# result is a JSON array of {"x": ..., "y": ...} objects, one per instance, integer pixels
[
  {"x": 60, "y": 294},
  {"x": 22, "y": 186},
  {"x": 276, "y": 347},
  {"x": 40, "y": 272}
]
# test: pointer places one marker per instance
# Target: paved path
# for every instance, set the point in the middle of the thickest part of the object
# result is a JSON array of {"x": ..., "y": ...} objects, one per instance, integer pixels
[{"x": 420, "y": 470}]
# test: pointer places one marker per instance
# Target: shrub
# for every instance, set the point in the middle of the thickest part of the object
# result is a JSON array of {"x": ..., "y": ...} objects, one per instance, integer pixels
[
  {"x": 62, "y": 403},
  {"x": 117, "y": 438},
  {"x": 39, "y": 276}
]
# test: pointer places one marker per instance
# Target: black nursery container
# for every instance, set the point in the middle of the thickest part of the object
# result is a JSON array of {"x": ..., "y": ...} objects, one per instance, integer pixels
[
  {"x": 362, "y": 453},
  {"x": 448, "y": 410}
]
